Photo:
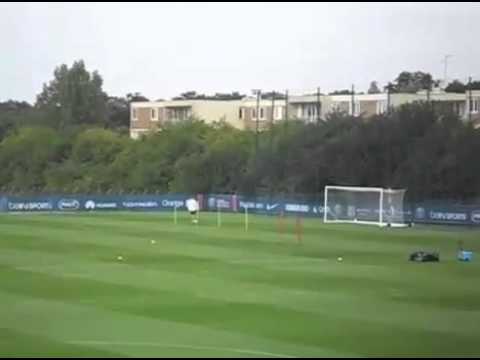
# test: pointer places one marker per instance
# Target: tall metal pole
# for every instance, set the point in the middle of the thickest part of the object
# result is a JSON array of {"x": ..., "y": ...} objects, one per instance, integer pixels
[
  {"x": 259, "y": 93},
  {"x": 353, "y": 100},
  {"x": 470, "y": 105},
  {"x": 257, "y": 117},
  {"x": 389, "y": 99},
  {"x": 445, "y": 60},
  {"x": 286, "y": 105},
  {"x": 273, "y": 110},
  {"x": 271, "y": 137},
  {"x": 319, "y": 105}
]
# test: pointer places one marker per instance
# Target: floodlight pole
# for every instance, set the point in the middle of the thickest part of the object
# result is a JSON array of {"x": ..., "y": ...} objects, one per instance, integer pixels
[
  {"x": 319, "y": 105},
  {"x": 258, "y": 92},
  {"x": 271, "y": 135},
  {"x": 445, "y": 60},
  {"x": 470, "y": 108},
  {"x": 353, "y": 100},
  {"x": 286, "y": 105}
]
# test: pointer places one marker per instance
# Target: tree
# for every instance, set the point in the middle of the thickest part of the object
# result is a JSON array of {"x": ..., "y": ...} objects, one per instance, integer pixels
[
  {"x": 412, "y": 82},
  {"x": 74, "y": 96},
  {"x": 118, "y": 114},
  {"x": 456, "y": 87},
  {"x": 193, "y": 95},
  {"x": 25, "y": 155},
  {"x": 373, "y": 89},
  {"x": 341, "y": 92},
  {"x": 474, "y": 85},
  {"x": 136, "y": 97},
  {"x": 93, "y": 152},
  {"x": 273, "y": 94}
]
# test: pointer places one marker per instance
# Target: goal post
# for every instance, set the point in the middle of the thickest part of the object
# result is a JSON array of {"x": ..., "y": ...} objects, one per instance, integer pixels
[{"x": 364, "y": 205}]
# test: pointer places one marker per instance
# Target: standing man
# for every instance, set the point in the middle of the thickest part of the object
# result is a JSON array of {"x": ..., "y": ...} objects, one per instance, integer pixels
[{"x": 193, "y": 207}]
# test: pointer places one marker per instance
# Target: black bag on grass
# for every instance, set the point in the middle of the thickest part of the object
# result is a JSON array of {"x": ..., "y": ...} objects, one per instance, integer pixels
[{"x": 423, "y": 256}]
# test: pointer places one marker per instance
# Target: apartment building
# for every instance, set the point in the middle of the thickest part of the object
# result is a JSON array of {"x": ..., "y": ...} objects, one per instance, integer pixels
[
  {"x": 268, "y": 111},
  {"x": 246, "y": 114},
  {"x": 152, "y": 115}
]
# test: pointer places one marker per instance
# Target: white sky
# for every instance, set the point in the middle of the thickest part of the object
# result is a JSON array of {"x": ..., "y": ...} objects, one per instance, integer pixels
[{"x": 164, "y": 49}]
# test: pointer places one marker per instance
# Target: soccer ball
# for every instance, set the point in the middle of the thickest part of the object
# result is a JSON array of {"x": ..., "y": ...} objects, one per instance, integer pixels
[
  {"x": 195, "y": 221},
  {"x": 119, "y": 258},
  {"x": 340, "y": 259},
  {"x": 153, "y": 242}
]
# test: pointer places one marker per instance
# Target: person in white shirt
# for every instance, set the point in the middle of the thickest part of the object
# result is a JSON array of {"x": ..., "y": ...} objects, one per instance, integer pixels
[{"x": 193, "y": 207}]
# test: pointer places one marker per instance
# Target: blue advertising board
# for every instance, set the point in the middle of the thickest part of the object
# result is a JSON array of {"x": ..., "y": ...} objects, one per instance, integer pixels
[
  {"x": 93, "y": 203},
  {"x": 428, "y": 213},
  {"x": 453, "y": 214}
]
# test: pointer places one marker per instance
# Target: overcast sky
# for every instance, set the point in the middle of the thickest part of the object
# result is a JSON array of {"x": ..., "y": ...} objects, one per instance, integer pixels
[{"x": 164, "y": 49}]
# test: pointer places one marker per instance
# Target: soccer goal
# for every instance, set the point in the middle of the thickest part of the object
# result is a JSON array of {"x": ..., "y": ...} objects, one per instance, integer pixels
[{"x": 364, "y": 205}]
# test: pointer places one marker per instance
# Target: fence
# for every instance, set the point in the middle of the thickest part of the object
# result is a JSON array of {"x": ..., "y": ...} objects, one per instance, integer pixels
[{"x": 426, "y": 212}]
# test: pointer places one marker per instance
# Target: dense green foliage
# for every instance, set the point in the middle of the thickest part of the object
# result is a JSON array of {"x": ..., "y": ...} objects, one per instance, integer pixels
[
  {"x": 75, "y": 139},
  {"x": 433, "y": 155}
]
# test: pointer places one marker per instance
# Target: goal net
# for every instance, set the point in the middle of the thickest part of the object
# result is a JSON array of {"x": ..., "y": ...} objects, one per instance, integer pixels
[{"x": 364, "y": 205}]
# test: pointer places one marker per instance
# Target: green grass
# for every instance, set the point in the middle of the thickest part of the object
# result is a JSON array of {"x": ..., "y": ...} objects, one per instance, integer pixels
[{"x": 204, "y": 291}]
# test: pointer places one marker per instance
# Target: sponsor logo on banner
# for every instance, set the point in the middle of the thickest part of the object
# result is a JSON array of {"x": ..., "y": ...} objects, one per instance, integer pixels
[
  {"x": 475, "y": 216},
  {"x": 172, "y": 203},
  {"x": 319, "y": 209},
  {"x": 363, "y": 212},
  {"x": 212, "y": 203},
  {"x": 223, "y": 204},
  {"x": 420, "y": 213},
  {"x": 271, "y": 207},
  {"x": 247, "y": 204},
  {"x": 30, "y": 206},
  {"x": 297, "y": 208},
  {"x": 448, "y": 216},
  {"x": 251, "y": 205},
  {"x": 68, "y": 204},
  {"x": 351, "y": 212},
  {"x": 92, "y": 205},
  {"x": 337, "y": 210},
  {"x": 140, "y": 204}
]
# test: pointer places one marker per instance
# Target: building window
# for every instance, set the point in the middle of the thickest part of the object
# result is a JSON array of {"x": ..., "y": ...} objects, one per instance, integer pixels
[
  {"x": 240, "y": 114},
  {"x": 262, "y": 113},
  {"x": 474, "y": 106},
  {"x": 278, "y": 113},
  {"x": 356, "y": 109},
  {"x": 381, "y": 107},
  {"x": 134, "y": 114},
  {"x": 154, "y": 115},
  {"x": 254, "y": 113}
]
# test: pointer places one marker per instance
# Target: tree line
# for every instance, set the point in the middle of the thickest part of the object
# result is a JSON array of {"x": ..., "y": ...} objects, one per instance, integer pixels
[{"x": 73, "y": 140}]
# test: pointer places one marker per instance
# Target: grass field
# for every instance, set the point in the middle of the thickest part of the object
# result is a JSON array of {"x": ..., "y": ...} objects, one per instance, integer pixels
[{"x": 204, "y": 291}]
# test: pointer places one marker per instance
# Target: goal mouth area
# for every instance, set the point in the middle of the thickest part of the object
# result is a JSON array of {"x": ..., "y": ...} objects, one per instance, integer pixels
[{"x": 364, "y": 206}]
